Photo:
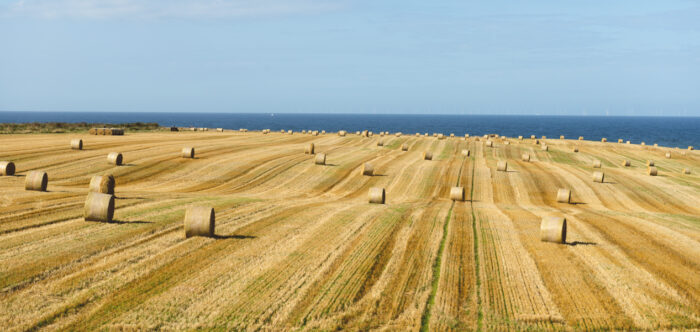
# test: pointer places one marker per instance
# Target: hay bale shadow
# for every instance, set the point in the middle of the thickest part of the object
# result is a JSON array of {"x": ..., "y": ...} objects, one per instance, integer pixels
[
  {"x": 233, "y": 236},
  {"x": 580, "y": 243}
]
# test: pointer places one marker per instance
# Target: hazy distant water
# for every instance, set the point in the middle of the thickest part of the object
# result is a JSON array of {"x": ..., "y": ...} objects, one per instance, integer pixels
[{"x": 667, "y": 131}]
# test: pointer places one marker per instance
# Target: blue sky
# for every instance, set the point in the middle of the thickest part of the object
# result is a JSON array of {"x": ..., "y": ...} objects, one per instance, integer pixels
[{"x": 463, "y": 57}]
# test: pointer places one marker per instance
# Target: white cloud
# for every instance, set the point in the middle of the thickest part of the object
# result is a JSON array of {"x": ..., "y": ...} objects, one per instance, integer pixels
[{"x": 101, "y": 9}]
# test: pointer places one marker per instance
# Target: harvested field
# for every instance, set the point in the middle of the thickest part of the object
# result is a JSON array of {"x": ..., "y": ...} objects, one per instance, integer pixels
[{"x": 298, "y": 245}]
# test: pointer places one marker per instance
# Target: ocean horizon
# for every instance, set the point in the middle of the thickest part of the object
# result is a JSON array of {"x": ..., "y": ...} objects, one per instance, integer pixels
[{"x": 672, "y": 131}]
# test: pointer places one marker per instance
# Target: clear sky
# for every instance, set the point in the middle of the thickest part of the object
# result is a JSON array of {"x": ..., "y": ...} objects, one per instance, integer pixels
[{"x": 483, "y": 57}]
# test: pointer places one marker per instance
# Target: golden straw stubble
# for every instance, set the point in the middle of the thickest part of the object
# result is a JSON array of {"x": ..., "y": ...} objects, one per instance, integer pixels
[
  {"x": 103, "y": 184},
  {"x": 99, "y": 207},
  {"x": 377, "y": 195},
  {"x": 199, "y": 221},
  {"x": 553, "y": 229}
]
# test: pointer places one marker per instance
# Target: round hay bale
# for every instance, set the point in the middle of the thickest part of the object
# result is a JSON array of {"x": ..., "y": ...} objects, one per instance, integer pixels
[
  {"x": 537, "y": 142},
  {"x": 466, "y": 152},
  {"x": 398, "y": 134},
  {"x": 564, "y": 195},
  {"x": 544, "y": 137},
  {"x": 452, "y": 135},
  {"x": 626, "y": 163},
  {"x": 417, "y": 134},
  {"x": 553, "y": 229},
  {"x": 370, "y": 134},
  {"x": 457, "y": 193},
  {"x": 7, "y": 168},
  {"x": 36, "y": 180},
  {"x": 603, "y": 139},
  {"x": 309, "y": 149},
  {"x": 685, "y": 171},
  {"x": 561, "y": 137},
  {"x": 427, "y": 155},
  {"x": 476, "y": 139},
  {"x": 628, "y": 142},
  {"x": 290, "y": 132},
  {"x": 520, "y": 138},
  {"x": 199, "y": 221},
  {"x": 651, "y": 170},
  {"x": 650, "y": 163},
  {"x": 115, "y": 158},
  {"x": 466, "y": 136},
  {"x": 440, "y": 136},
  {"x": 99, "y": 207},
  {"x": 320, "y": 159},
  {"x": 377, "y": 195},
  {"x": 502, "y": 166},
  {"x": 314, "y": 133},
  {"x": 489, "y": 143},
  {"x": 303, "y": 131},
  {"x": 545, "y": 147},
  {"x": 596, "y": 163},
  {"x": 342, "y": 133},
  {"x": 367, "y": 169},
  {"x": 642, "y": 144},
  {"x": 668, "y": 155},
  {"x": 575, "y": 149},
  {"x": 690, "y": 148},
  {"x": 525, "y": 157},
  {"x": 187, "y": 152},
  {"x": 103, "y": 184},
  {"x": 598, "y": 177},
  {"x": 619, "y": 140},
  {"x": 220, "y": 129},
  {"x": 76, "y": 144},
  {"x": 656, "y": 145},
  {"x": 357, "y": 132},
  {"x": 323, "y": 132},
  {"x": 380, "y": 142},
  {"x": 404, "y": 147},
  {"x": 580, "y": 138},
  {"x": 533, "y": 137}
]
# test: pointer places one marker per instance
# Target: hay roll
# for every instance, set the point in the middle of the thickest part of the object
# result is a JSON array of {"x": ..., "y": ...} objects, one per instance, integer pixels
[
  {"x": 603, "y": 139},
  {"x": 309, "y": 149},
  {"x": 187, "y": 152},
  {"x": 303, "y": 131},
  {"x": 575, "y": 149},
  {"x": 115, "y": 158},
  {"x": 398, "y": 134},
  {"x": 650, "y": 163},
  {"x": 628, "y": 142},
  {"x": 553, "y": 229},
  {"x": 564, "y": 195},
  {"x": 220, "y": 129},
  {"x": 199, "y": 221},
  {"x": 117, "y": 131},
  {"x": 651, "y": 170},
  {"x": 466, "y": 136},
  {"x": 457, "y": 193},
  {"x": 320, "y": 159},
  {"x": 537, "y": 142},
  {"x": 502, "y": 166},
  {"x": 489, "y": 143},
  {"x": 342, "y": 133},
  {"x": 404, "y": 147},
  {"x": 92, "y": 131},
  {"x": 545, "y": 147},
  {"x": 417, "y": 134},
  {"x": 323, "y": 132},
  {"x": 642, "y": 144},
  {"x": 544, "y": 137},
  {"x": 7, "y": 168},
  {"x": 427, "y": 155},
  {"x": 561, "y": 137},
  {"x": 533, "y": 137},
  {"x": 685, "y": 171},
  {"x": 598, "y": 177},
  {"x": 103, "y": 184},
  {"x": 580, "y": 138},
  {"x": 367, "y": 169},
  {"x": 668, "y": 155},
  {"x": 369, "y": 133},
  {"x": 525, "y": 157},
  {"x": 452, "y": 135},
  {"x": 440, "y": 136},
  {"x": 357, "y": 132},
  {"x": 76, "y": 144},
  {"x": 380, "y": 142},
  {"x": 99, "y": 207},
  {"x": 466, "y": 152},
  {"x": 476, "y": 139},
  {"x": 596, "y": 163},
  {"x": 690, "y": 148},
  {"x": 290, "y": 132},
  {"x": 520, "y": 138},
  {"x": 377, "y": 195},
  {"x": 626, "y": 163},
  {"x": 36, "y": 180},
  {"x": 619, "y": 140}
]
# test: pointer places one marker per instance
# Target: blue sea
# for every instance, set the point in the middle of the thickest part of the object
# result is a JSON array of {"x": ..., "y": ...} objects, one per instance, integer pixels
[{"x": 666, "y": 131}]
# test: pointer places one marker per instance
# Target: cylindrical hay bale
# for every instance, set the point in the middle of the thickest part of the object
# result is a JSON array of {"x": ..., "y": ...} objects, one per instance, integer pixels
[
  {"x": 103, "y": 184},
  {"x": 369, "y": 133},
  {"x": 650, "y": 163},
  {"x": 575, "y": 149},
  {"x": 398, "y": 134},
  {"x": 76, "y": 144},
  {"x": 596, "y": 163},
  {"x": 187, "y": 152},
  {"x": 502, "y": 166},
  {"x": 367, "y": 169},
  {"x": 36, "y": 180},
  {"x": 564, "y": 195},
  {"x": 457, "y": 193},
  {"x": 580, "y": 138},
  {"x": 685, "y": 171},
  {"x": 452, "y": 135},
  {"x": 441, "y": 136},
  {"x": 642, "y": 144},
  {"x": 544, "y": 137},
  {"x": 466, "y": 136},
  {"x": 690, "y": 148},
  {"x": 489, "y": 143},
  {"x": 342, "y": 133},
  {"x": 92, "y": 131},
  {"x": 520, "y": 138},
  {"x": 427, "y": 155},
  {"x": 553, "y": 229},
  {"x": 290, "y": 132},
  {"x": 323, "y": 132},
  {"x": 417, "y": 134},
  {"x": 651, "y": 170},
  {"x": 115, "y": 158},
  {"x": 476, "y": 139},
  {"x": 99, "y": 207},
  {"x": 7, "y": 168},
  {"x": 315, "y": 133},
  {"x": 668, "y": 155},
  {"x": 628, "y": 142},
  {"x": 561, "y": 137},
  {"x": 377, "y": 195},
  {"x": 537, "y": 141},
  {"x": 619, "y": 140},
  {"x": 466, "y": 152},
  {"x": 525, "y": 157},
  {"x": 404, "y": 147},
  {"x": 626, "y": 163},
  {"x": 598, "y": 177},
  {"x": 357, "y": 132},
  {"x": 380, "y": 142},
  {"x": 220, "y": 129},
  {"x": 199, "y": 221},
  {"x": 309, "y": 149},
  {"x": 533, "y": 137},
  {"x": 545, "y": 147},
  {"x": 303, "y": 131},
  {"x": 603, "y": 139},
  {"x": 320, "y": 159}
]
